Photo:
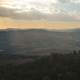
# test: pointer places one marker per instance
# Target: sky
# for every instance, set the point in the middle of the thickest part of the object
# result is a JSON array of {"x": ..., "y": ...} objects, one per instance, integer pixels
[{"x": 56, "y": 14}]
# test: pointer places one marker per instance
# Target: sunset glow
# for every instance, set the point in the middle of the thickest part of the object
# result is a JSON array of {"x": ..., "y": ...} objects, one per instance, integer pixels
[
  {"x": 48, "y": 14},
  {"x": 8, "y": 23}
]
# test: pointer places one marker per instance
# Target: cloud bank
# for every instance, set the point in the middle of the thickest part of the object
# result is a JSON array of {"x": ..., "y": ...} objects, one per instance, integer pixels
[{"x": 54, "y": 10}]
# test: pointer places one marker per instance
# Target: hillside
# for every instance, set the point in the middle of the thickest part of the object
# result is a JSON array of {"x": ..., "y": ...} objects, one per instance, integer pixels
[{"x": 39, "y": 41}]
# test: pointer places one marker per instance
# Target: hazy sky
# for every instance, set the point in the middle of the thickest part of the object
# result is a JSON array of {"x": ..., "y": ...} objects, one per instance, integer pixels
[{"x": 21, "y": 12}]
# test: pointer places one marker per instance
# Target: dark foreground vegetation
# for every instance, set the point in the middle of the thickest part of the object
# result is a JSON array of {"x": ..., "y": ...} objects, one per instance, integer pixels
[{"x": 53, "y": 67}]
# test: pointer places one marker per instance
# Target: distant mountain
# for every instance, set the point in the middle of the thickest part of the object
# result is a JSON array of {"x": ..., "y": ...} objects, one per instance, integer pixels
[
  {"x": 72, "y": 30},
  {"x": 39, "y": 41},
  {"x": 76, "y": 30}
]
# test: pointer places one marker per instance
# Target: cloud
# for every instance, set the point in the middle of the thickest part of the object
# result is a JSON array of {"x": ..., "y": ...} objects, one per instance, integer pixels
[
  {"x": 5, "y": 12},
  {"x": 11, "y": 13},
  {"x": 69, "y": 1},
  {"x": 32, "y": 15},
  {"x": 61, "y": 10},
  {"x": 64, "y": 1}
]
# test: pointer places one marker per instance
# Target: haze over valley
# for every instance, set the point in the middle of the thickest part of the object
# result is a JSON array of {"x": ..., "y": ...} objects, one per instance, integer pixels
[{"x": 39, "y": 41}]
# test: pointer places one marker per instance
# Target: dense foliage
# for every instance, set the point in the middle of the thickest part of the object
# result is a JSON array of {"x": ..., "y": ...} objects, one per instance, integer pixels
[{"x": 53, "y": 67}]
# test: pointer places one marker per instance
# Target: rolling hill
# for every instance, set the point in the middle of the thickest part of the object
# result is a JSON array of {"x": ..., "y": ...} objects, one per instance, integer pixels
[{"x": 39, "y": 41}]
